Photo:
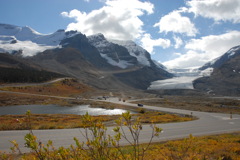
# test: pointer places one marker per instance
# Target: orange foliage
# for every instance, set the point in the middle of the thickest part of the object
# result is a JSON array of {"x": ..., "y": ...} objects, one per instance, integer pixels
[{"x": 225, "y": 147}]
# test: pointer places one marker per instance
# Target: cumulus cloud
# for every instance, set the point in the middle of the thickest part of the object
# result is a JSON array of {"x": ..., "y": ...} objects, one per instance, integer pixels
[
  {"x": 175, "y": 22},
  {"x": 219, "y": 10},
  {"x": 205, "y": 49},
  {"x": 215, "y": 45},
  {"x": 115, "y": 20},
  {"x": 148, "y": 43}
]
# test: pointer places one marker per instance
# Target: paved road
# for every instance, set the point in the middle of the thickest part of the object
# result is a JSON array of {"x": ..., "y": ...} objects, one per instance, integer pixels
[{"x": 207, "y": 124}]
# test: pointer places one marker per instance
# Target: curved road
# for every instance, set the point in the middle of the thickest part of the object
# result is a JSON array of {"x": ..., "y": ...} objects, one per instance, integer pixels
[{"x": 207, "y": 124}]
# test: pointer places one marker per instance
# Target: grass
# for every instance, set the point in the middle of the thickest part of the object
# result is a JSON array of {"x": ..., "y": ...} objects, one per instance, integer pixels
[
  {"x": 46, "y": 121},
  {"x": 10, "y": 99},
  {"x": 159, "y": 117},
  {"x": 225, "y": 147},
  {"x": 62, "y": 121},
  {"x": 66, "y": 87}
]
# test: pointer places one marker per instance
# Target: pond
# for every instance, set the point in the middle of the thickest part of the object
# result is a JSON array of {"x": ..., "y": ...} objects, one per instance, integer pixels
[{"x": 55, "y": 109}]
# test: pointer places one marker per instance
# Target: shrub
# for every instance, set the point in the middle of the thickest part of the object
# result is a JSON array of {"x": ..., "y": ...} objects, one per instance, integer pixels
[{"x": 141, "y": 110}]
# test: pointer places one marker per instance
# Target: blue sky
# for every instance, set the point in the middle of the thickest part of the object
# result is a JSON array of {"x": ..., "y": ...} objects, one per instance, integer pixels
[{"x": 177, "y": 33}]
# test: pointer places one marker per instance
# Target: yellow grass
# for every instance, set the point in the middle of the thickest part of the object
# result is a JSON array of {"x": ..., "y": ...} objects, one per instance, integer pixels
[
  {"x": 60, "y": 121},
  {"x": 46, "y": 121},
  {"x": 226, "y": 146}
]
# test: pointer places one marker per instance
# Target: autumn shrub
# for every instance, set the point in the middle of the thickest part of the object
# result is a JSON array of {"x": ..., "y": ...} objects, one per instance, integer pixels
[{"x": 141, "y": 110}]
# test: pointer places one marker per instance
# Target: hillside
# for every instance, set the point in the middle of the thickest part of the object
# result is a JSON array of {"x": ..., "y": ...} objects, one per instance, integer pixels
[{"x": 17, "y": 70}]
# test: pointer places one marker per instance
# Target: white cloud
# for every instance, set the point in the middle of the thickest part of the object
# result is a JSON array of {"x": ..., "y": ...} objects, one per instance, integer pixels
[
  {"x": 177, "y": 54},
  {"x": 215, "y": 45},
  {"x": 28, "y": 48},
  {"x": 118, "y": 19},
  {"x": 219, "y": 10},
  {"x": 188, "y": 60},
  {"x": 175, "y": 22},
  {"x": 205, "y": 49},
  {"x": 148, "y": 43},
  {"x": 178, "y": 42}
]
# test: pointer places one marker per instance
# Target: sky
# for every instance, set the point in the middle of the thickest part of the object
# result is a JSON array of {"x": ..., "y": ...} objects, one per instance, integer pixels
[{"x": 177, "y": 33}]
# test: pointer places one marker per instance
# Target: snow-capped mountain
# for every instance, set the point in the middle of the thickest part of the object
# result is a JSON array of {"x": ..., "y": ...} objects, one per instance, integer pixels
[
  {"x": 115, "y": 54},
  {"x": 122, "y": 54},
  {"x": 94, "y": 59},
  {"x": 20, "y": 33},
  {"x": 135, "y": 50},
  {"x": 28, "y": 42}
]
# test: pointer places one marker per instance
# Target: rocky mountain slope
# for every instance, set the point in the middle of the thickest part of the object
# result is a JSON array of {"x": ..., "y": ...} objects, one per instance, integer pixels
[
  {"x": 93, "y": 60},
  {"x": 225, "y": 78},
  {"x": 15, "y": 69}
]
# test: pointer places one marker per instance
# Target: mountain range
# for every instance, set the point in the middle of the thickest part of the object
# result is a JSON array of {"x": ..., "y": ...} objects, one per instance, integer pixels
[
  {"x": 94, "y": 60},
  {"x": 103, "y": 63}
]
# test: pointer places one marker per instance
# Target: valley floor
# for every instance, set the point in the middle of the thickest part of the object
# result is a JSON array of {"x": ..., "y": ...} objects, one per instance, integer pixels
[{"x": 208, "y": 123}]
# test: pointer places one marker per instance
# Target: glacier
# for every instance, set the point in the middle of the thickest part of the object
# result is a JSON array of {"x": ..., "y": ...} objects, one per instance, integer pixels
[{"x": 183, "y": 80}]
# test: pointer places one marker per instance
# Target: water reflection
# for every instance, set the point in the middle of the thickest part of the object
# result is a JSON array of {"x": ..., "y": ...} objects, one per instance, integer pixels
[{"x": 54, "y": 109}]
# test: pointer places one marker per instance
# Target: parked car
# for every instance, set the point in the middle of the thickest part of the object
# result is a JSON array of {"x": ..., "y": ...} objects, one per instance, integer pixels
[{"x": 140, "y": 105}]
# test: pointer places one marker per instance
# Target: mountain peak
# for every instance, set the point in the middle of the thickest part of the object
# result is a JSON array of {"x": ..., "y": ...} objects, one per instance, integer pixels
[
  {"x": 135, "y": 50},
  {"x": 97, "y": 37},
  {"x": 29, "y": 29}
]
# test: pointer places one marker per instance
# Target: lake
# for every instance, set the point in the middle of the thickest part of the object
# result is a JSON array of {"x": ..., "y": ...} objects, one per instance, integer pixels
[{"x": 55, "y": 109}]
